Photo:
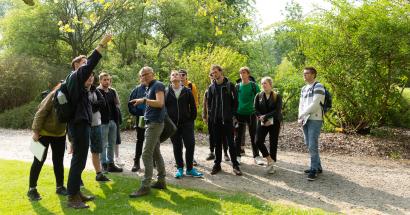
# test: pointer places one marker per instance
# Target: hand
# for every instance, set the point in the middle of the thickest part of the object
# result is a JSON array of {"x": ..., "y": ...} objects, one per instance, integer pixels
[
  {"x": 106, "y": 39},
  {"x": 261, "y": 118},
  {"x": 69, "y": 148},
  {"x": 36, "y": 136},
  {"x": 136, "y": 102}
]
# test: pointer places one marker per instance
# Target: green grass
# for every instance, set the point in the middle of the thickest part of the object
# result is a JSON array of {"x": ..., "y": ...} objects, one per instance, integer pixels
[{"x": 112, "y": 197}]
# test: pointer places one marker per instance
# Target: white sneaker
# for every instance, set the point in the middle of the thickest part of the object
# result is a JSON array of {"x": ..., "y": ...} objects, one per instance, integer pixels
[
  {"x": 238, "y": 159},
  {"x": 270, "y": 168},
  {"x": 259, "y": 161}
]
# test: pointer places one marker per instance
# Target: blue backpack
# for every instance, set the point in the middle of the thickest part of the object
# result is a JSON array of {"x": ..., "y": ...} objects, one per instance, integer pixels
[{"x": 327, "y": 105}]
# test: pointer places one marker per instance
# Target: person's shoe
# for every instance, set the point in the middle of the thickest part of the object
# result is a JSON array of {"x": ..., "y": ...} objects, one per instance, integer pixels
[
  {"x": 270, "y": 169},
  {"x": 226, "y": 157},
  {"x": 159, "y": 185},
  {"x": 179, "y": 173},
  {"x": 312, "y": 175},
  {"x": 238, "y": 158},
  {"x": 33, "y": 195},
  {"x": 258, "y": 161},
  {"x": 242, "y": 151},
  {"x": 104, "y": 168},
  {"x": 85, "y": 198},
  {"x": 114, "y": 168},
  {"x": 143, "y": 191},
  {"x": 237, "y": 171},
  {"x": 136, "y": 166},
  {"x": 101, "y": 177},
  {"x": 194, "y": 173},
  {"x": 74, "y": 201},
  {"x": 61, "y": 191},
  {"x": 211, "y": 156},
  {"x": 319, "y": 171},
  {"x": 194, "y": 163},
  {"x": 216, "y": 169}
]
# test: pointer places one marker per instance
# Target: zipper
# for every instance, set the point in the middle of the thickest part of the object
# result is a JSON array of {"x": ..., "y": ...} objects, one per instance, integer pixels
[{"x": 223, "y": 119}]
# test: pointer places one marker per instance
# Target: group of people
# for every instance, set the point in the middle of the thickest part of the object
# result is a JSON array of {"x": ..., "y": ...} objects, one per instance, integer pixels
[{"x": 227, "y": 109}]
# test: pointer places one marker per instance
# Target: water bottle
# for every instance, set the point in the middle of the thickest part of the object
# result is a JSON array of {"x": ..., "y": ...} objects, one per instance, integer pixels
[{"x": 61, "y": 98}]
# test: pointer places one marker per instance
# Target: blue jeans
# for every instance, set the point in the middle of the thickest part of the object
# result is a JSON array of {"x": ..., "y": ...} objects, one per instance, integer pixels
[
  {"x": 311, "y": 132},
  {"x": 109, "y": 139}
]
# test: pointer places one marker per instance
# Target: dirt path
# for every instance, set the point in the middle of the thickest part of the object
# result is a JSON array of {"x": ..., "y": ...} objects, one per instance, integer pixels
[{"x": 353, "y": 185}]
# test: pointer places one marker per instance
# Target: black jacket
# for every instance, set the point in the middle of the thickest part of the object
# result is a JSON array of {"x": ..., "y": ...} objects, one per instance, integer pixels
[
  {"x": 183, "y": 109},
  {"x": 110, "y": 110},
  {"x": 226, "y": 109},
  {"x": 100, "y": 103},
  {"x": 270, "y": 108},
  {"x": 77, "y": 93}
]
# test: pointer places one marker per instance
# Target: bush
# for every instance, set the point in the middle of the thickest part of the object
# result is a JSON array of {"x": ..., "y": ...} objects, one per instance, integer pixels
[{"x": 19, "y": 117}]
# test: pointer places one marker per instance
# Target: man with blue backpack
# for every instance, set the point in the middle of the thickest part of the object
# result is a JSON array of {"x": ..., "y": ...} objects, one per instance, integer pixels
[{"x": 314, "y": 102}]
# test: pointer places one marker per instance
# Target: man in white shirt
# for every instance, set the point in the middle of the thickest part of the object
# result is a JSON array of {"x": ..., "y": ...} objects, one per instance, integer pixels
[{"x": 311, "y": 118}]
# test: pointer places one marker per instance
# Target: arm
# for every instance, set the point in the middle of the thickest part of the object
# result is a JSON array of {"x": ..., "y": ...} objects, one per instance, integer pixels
[
  {"x": 195, "y": 94},
  {"x": 192, "y": 106},
  {"x": 234, "y": 98},
  {"x": 256, "y": 105},
  {"x": 205, "y": 108},
  {"x": 318, "y": 97},
  {"x": 99, "y": 103},
  {"x": 277, "y": 110}
]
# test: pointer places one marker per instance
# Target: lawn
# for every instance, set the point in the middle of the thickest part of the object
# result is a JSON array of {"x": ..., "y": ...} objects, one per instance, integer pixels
[{"x": 112, "y": 197}]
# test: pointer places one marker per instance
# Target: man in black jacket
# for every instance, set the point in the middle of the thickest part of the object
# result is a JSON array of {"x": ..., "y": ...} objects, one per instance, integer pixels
[
  {"x": 79, "y": 126},
  {"x": 180, "y": 104},
  {"x": 222, "y": 104}
]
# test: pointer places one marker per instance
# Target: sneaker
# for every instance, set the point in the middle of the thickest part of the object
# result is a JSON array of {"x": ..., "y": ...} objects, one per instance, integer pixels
[
  {"x": 312, "y": 176},
  {"x": 85, "y": 198},
  {"x": 318, "y": 171},
  {"x": 159, "y": 185},
  {"x": 101, "y": 177},
  {"x": 239, "y": 160},
  {"x": 33, "y": 195},
  {"x": 216, "y": 169},
  {"x": 179, "y": 173},
  {"x": 140, "y": 192},
  {"x": 194, "y": 173},
  {"x": 237, "y": 171},
  {"x": 114, "y": 168},
  {"x": 61, "y": 191},
  {"x": 226, "y": 157},
  {"x": 194, "y": 163},
  {"x": 270, "y": 169},
  {"x": 74, "y": 201},
  {"x": 136, "y": 166},
  {"x": 211, "y": 156},
  {"x": 258, "y": 160}
]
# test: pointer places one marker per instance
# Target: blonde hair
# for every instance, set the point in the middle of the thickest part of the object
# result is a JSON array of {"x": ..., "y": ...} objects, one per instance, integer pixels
[
  {"x": 268, "y": 79},
  {"x": 103, "y": 74},
  {"x": 146, "y": 68},
  {"x": 245, "y": 68}
]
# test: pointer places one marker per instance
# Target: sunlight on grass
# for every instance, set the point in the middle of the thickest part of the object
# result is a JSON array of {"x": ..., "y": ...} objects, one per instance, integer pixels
[{"x": 112, "y": 197}]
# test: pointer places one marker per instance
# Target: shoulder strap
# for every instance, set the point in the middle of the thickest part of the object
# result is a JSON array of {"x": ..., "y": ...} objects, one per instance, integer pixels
[{"x": 254, "y": 87}]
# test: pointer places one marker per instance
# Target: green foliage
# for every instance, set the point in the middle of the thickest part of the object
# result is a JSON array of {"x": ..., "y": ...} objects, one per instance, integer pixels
[
  {"x": 20, "y": 117},
  {"x": 113, "y": 196},
  {"x": 400, "y": 117}
]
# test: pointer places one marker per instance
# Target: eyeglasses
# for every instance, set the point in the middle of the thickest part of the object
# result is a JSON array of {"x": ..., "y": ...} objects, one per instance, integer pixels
[
  {"x": 145, "y": 74},
  {"x": 182, "y": 74}
]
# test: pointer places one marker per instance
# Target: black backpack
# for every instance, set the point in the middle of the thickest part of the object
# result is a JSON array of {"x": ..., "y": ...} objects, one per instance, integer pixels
[
  {"x": 327, "y": 105},
  {"x": 63, "y": 105}
]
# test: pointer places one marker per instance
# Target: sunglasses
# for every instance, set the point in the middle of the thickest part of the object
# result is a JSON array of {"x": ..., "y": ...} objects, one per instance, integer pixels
[{"x": 182, "y": 74}]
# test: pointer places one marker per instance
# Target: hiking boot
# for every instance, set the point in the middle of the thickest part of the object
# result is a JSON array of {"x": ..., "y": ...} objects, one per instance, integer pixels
[
  {"x": 226, "y": 157},
  {"x": 85, "y": 198},
  {"x": 319, "y": 171},
  {"x": 312, "y": 175},
  {"x": 258, "y": 161},
  {"x": 61, "y": 191},
  {"x": 270, "y": 169},
  {"x": 33, "y": 195},
  {"x": 114, "y": 168},
  {"x": 143, "y": 191},
  {"x": 136, "y": 166},
  {"x": 211, "y": 156},
  {"x": 160, "y": 184},
  {"x": 237, "y": 171},
  {"x": 179, "y": 173},
  {"x": 101, "y": 177},
  {"x": 74, "y": 201},
  {"x": 194, "y": 163},
  {"x": 216, "y": 169},
  {"x": 194, "y": 173}
]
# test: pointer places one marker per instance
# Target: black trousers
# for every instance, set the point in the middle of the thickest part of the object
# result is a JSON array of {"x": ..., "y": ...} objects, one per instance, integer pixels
[
  {"x": 184, "y": 135},
  {"x": 140, "y": 143},
  {"x": 223, "y": 131},
  {"x": 261, "y": 133},
  {"x": 212, "y": 139},
  {"x": 244, "y": 120},
  {"x": 80, "y": 133},
  {"x": 57, "y": 148}
]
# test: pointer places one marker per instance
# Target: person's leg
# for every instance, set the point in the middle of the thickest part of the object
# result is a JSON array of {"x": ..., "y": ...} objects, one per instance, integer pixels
[
  {"x": 226, "y": 132},
  {"x": 37, "y": 165},
  {"x": 138, "y": 148},
  {"x": 217, "y": 127},
  {"x": 240, "y": 134},
  {"x": 260, "y": 140},
  {"x": 58, "y": 149},
  {"x": 189, "y": 143},
  {"x": 104, "y": 141},
  {"x": 314, "y": 127},
  {"x": 176, "y": 140},
  {"x": 211, "y": 137},
  {"x": 112, "y": 140},
  {"x": 273, "y": 139},
  {"x": 251, "y": 121},
  {"x": 159, "y": 160}
]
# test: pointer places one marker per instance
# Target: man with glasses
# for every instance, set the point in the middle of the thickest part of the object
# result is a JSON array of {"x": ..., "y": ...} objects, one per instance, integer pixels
[
  {"x": 311, "y": 118},
  {"x": 154, "y": 124}
]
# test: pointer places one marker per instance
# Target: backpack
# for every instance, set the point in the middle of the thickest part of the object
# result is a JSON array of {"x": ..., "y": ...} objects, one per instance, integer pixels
[
  {"x": 327, "y": 105},
  {"x": 62, "y": 103}
]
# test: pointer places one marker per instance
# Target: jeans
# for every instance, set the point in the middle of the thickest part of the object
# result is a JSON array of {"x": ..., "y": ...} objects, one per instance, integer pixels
[
  {"x": 223, "y": 131},
  {"x": 244, "y": 120},
  {"x": 261, "y": 133},
  {"x": 80, "y": 133},
  {"x": 57, "y": 148},
  {"x": 311, "y": 132},
  {"x": 185, "y": 135},
  {"x": 152, "y": 153},
  {"x": 109, "y": 139},
  {"x": 139, "y": 143}
]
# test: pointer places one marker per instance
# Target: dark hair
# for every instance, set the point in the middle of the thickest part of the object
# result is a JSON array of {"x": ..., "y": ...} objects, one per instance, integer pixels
[
  {"x": 311, "y": 69},
  {"x": 219, "y": 68},
  {"x": 77, "y": 60},
  {"x": 183, "y": 71}
]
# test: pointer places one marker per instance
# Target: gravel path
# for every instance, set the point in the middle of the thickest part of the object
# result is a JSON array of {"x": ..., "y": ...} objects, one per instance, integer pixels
[{"x": 353, "y": 185}]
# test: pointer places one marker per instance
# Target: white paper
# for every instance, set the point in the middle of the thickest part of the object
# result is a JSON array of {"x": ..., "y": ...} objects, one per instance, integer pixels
[
  {"x": 37, "y": 149},
  {"x": 268, "y": 122}
]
